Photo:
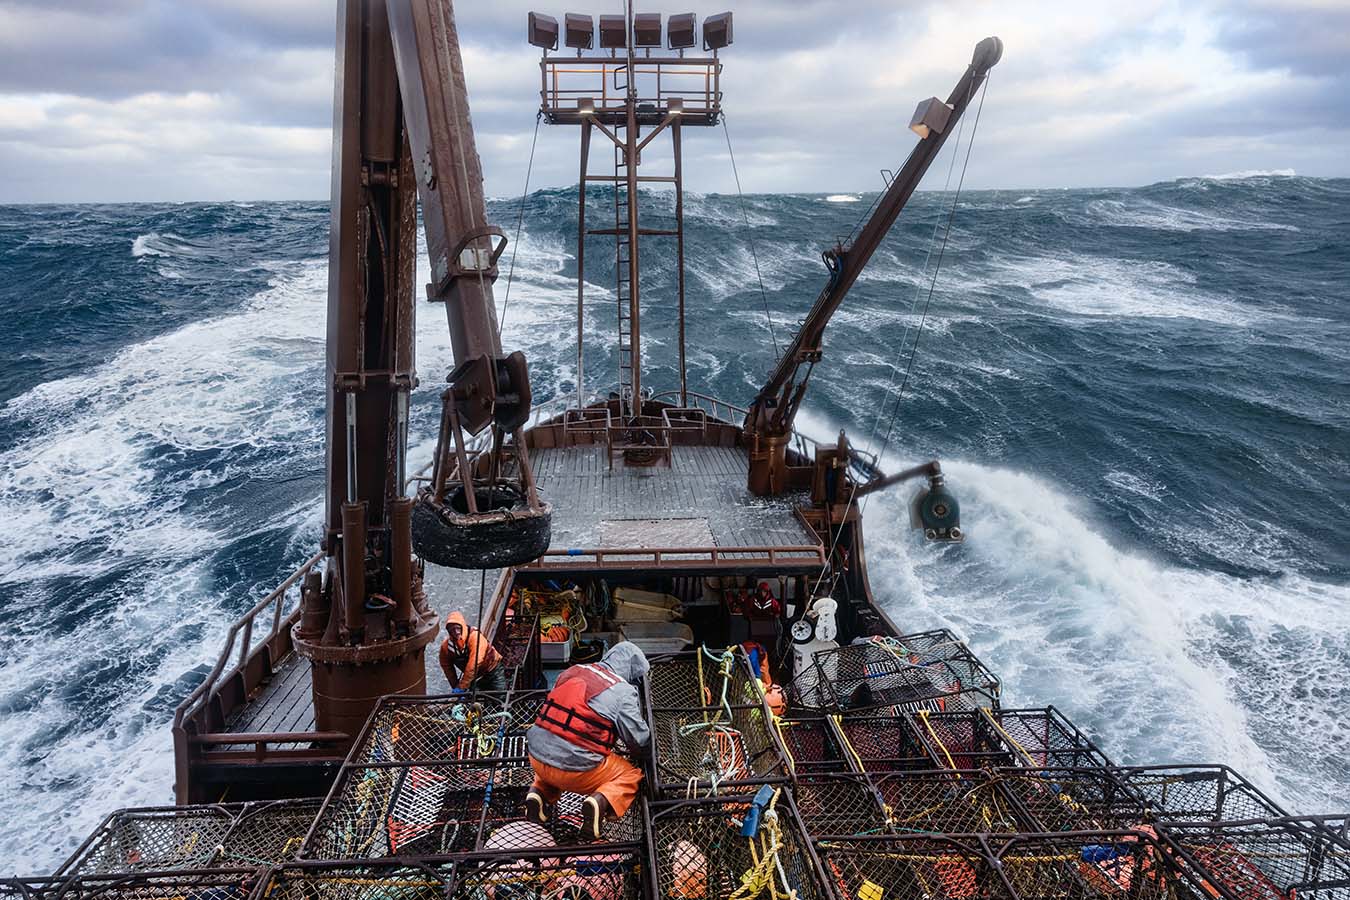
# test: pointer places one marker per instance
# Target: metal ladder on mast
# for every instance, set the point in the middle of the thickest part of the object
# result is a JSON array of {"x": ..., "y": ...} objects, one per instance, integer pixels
[{"x": 623, "y": 251}]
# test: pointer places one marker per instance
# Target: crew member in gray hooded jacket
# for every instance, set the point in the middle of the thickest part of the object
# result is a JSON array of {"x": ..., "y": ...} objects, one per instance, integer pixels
[{"x": 572, "y": 741}]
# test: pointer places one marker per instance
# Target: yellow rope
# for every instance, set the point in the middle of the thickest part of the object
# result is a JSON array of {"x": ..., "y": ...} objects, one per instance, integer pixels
[
  {"x": 764, "y": 852},
  {"x": 923, "y": 717},
  {"x": 992, "y": 721},
  {"x": 848, "y": 745}
]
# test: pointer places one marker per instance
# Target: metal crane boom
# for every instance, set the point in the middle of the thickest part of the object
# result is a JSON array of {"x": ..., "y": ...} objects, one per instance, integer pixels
[{"x": 771, "y": 414}]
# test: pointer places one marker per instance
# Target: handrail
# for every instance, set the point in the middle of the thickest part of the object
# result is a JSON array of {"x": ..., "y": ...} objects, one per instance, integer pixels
[
  {"x": 863, "y": 461},
  {"x": 244, "y": 623},
  {"x": 686, "y": 557}
]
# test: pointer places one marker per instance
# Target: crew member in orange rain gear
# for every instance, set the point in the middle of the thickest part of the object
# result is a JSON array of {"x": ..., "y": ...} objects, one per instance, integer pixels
[
  {"x": 469, "y": 659},
  {"x": 572, "y": 741}
]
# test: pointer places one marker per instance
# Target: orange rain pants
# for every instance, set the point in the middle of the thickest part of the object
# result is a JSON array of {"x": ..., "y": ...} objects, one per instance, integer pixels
[{"x": 615, "y": 778}]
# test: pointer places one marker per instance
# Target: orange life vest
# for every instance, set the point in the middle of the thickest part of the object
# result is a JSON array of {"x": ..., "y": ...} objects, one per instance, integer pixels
[{"x": 567, "y": 711}]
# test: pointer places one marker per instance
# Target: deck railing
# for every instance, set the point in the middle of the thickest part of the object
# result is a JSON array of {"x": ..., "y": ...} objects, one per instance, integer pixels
[{"x": 241, "y": 634}]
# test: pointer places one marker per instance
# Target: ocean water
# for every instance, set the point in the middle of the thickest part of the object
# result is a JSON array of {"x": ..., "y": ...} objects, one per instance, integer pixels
[{"x": 1142, "y": 398}]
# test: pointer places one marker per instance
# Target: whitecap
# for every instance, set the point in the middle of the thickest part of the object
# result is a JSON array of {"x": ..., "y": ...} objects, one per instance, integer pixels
[{"x": 843, "y": 198}]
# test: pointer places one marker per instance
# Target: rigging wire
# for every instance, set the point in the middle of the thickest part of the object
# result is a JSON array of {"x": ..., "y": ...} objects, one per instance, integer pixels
[
  {"x": 520, "y": 221},
  {"x": 745, "y": 217},
  {"x": 937, "y": 269},
  {"x": 951, "y": 216}
]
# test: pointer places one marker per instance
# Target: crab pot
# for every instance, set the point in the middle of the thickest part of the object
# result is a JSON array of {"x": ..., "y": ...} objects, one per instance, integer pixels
[
  {"x": 697, "y": 851},
  {"x": 693, "y": 679},
  {"x": 488, "y": 727},
  {"x": 1063, "y": 799},
  {"x": 1198, "y": 794},
  {"x": 1083, "y": 866},
  {"x": 406, "y": 880},
  {"x": 883, "y": 743},
  {"x": 1019, "y": 737},
  {"x": 838, "y": 804},
  {"x": 730, "y": 741},
  {"x": 931, "y": 670},
  {"x": 729, "y": 746},
  {"x": 518, "y": 643},
  {"x": 597, "y": 872},
  {"x": 269, "y": 832},
  {"x": 217, "y": 884},
  {"x": 812, "y": 744},
  {"x": 415, "y": 809},
  {"x": 948, "y": 802},
  {"x": 153, "y": 839},
  {"x": 1279, "y": 859}
]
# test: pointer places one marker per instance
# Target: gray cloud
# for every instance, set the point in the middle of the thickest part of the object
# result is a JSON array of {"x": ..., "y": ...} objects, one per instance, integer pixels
[{"x": 152, "y": 99}]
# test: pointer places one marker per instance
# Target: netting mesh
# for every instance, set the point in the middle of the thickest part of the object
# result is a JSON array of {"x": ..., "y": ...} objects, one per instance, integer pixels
[
  {"x": 838, "y": 804},
  {"x": 416, "y": 810},
  {"x": 948, "y": 803},
  {"x": 518, "y": 643},
  {"x": 600, "y": 874},
  {"x": 1198, "y": 794},
  {"x": 700, "y": 678},
  {"x": 883, "y": 743},
  {"x": 925, "y": 867},
  {"x": 151, "y": 840},
  {"x": 211, "y": 884},
  {"x": 699, "y": 852},
  {"x": 486, "y": 727},
  {"x": 269, "y": 833},
  {"x": 1021, "y": 737},
  {"x": 932, "y": 670},
  {"x": 1072, "y": 799},
  {"x": 377, "y": 881},
  {"x": 708, "y": 745},
  {"x": 811, "y": 744},
  {"x": 1281, "y": 859}
]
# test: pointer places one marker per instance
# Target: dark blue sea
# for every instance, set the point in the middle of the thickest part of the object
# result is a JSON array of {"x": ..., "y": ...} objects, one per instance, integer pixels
[{"x": 1142, "y": 398}]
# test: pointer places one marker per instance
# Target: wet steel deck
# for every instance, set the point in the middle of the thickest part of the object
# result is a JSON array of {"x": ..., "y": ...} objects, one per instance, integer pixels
[{"x": 700, "y": 500}]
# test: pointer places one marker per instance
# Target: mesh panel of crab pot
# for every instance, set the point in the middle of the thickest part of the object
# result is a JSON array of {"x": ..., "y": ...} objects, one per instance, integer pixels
[
  {"x": 1022, "y": 737},
  {"x": 442, "y": 729},
  {"x": 708, "y": 745},
  {"x": 1198, "y": 794},
  {"x": 838, "y": 804},
  {"x": 883, "y": 743},
  {"x": 913, "y": 867},
  {"x": 1072, "y": 799},
  {"x": 269, "y": 833},
  {"x": 153, "y": 840},
  {"x": 948, "y": 802},
  {"x": 1274, "y": 860},
  {"x": 416, "y": 809},
  {"x": 216, "y": 884},
  {"x": 599, "y": 873},
  {"x": 348, "y": 881},
  {"x": 699, "y": 852}
]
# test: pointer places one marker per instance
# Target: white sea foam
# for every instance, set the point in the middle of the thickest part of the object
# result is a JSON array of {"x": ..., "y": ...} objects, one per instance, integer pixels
[
  {"x": 1252, "y": 173},
  {"x": 842, "y": 198},
  {"x": 1138, "y": 213},
  {"x": 1102, "y": 286}
]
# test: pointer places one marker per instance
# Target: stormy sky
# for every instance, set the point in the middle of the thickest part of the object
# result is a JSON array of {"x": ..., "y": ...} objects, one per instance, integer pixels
[{"x": 118, "y": 100}]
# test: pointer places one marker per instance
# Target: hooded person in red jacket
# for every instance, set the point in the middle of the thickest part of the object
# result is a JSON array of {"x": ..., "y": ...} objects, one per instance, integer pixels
[{"x": 572, "y": 741}]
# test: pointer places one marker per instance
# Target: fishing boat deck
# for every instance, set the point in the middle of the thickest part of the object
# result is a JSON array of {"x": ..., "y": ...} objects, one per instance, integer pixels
[{"x": 696, "y": 503}]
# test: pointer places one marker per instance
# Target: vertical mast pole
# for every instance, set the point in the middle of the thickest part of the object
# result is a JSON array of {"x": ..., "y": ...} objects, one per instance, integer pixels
[
  {"x": 581, "y": 257},
  {"x": 631, "y": 153},
  {"x": 679, "y": 254}
]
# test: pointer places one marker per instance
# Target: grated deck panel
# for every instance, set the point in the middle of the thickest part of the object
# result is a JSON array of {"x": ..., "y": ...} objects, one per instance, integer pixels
[{"x": 702, "y": 493}]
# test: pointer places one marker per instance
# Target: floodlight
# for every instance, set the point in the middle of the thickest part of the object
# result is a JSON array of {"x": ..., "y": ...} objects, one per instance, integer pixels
[
  {"x": 586, "y": 106},
  {"x": 647, "y": 30},
  {"x": 579, "y": 31},
  {"x": 681, "y": 31},
  {"x": 613, "y": 32},
  {"x": 543, "y": 31},
  {"x": 930, "y": 116},
  {"x": 675, "y": 106},
  {"x": 717, "y": 31}
]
